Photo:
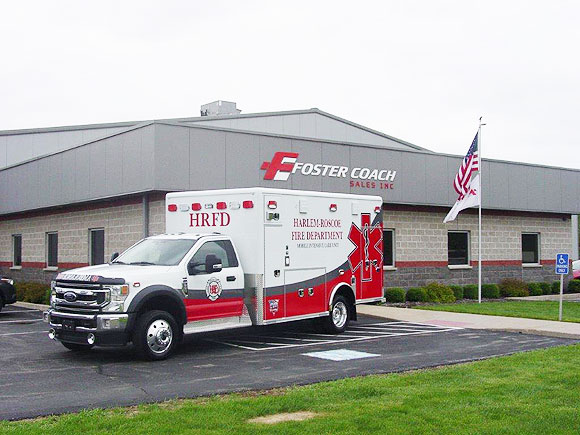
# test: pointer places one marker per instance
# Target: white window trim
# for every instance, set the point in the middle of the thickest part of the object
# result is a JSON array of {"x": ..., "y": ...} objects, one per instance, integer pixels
[
  {"x": 460, "y": 266},
  {"x": 539, "y": 263},
  {"x": 90, "y": 253},
  {"x": 394, "y": 266},
  {"x": 50, "y": 268}
]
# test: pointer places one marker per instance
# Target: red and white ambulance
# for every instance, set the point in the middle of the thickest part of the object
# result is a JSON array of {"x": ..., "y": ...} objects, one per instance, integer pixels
[{"x": 230, "y": 258}]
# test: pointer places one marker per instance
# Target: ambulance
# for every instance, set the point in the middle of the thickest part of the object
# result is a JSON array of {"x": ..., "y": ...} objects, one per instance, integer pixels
[{"x": 229, "y": 259}]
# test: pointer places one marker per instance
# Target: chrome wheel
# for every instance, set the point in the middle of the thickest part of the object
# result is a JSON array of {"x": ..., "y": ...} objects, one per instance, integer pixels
[
  {"x": 339, "y": 314},
  {"x": 159, "y": 336}
]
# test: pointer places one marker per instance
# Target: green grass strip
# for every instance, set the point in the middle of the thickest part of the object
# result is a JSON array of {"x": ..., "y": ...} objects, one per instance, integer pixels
[
  {"x": 545, "y": 310},
  {"x": 534, "y": 393}
]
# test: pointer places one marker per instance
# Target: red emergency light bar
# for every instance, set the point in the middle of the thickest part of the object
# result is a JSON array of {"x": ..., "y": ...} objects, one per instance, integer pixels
[
  {"x": 196, "y": 206},
  {"x": 221, "y": 206},
  {"x": 248, "y": 204},
  {"x": 172, "y": 207}
]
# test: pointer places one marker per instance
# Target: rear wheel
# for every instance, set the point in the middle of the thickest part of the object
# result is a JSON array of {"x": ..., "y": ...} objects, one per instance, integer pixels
[
  {"x": 76, "y": 346},
  {"x": 339, "y": 316},
  {"x": 156, "y": 335}
]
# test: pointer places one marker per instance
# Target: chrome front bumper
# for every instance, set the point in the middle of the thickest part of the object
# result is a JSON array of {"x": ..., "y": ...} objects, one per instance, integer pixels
[{"x": 100, "y": 322}]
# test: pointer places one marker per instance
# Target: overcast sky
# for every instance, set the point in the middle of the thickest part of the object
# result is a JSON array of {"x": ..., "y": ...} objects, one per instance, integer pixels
[{"x": 423, "y": 71}]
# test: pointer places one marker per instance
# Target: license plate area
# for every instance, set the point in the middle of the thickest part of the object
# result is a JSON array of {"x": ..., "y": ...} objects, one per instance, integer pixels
[{"x": 68, "y": 325}]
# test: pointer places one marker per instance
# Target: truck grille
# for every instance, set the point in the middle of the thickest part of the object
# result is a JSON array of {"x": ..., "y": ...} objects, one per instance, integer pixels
[{"x": 81, "y": 297}]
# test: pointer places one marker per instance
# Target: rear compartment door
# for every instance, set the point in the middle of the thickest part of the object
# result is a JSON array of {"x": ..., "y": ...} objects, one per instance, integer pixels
[
  {"x": 275, "y": 257},
  {"x": 366, "y": 259}
]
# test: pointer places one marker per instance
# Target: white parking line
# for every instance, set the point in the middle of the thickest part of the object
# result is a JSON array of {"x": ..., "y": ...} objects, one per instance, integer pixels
[
  {"x": 23, "y": 333},
  {"x": 20, "y": 321},
  {"x": 18, "y": 311},
  {"x": 368, "y": 331}
]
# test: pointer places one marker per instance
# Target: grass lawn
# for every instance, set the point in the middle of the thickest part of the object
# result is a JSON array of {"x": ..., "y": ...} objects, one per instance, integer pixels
[
  {"x": 533, "y": 392},
  {"x": 545, "y": 310}
]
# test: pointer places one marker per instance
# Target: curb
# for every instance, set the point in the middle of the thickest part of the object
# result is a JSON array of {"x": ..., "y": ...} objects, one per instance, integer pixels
[{"x": 41, "y": 307}]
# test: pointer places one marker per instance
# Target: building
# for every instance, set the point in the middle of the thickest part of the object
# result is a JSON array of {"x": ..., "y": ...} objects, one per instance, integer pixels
[{"x": 71, "y": 196}]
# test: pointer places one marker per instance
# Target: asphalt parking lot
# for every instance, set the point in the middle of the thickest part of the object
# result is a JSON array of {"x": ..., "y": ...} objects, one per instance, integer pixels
[{"x": 41, "y": 377}]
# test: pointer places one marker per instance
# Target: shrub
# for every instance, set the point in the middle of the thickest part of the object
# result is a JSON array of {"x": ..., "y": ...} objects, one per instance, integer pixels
[
  {"x": 416, "y": 294},
  {"x": 512, "y": 287},
  {"x": 573, "y": 286},
  {"x": 437, "y": 292},
  {"x": 555, "y": 287},
  {"x": 546, "y": 288},
  {"x": 534, "y": 289},
  {"x": 34, "y": 292},
  {"x": 490, "y": 291},
  {"x": 395, "y": 295},
  {"x": 457, "y": 291},
  {"x": 470, "y": 291}
]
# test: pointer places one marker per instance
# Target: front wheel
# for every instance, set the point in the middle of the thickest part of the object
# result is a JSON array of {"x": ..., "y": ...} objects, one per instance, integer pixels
[
  {"x": 155, "y": 335},
  {"x": 339, "y": 316}
]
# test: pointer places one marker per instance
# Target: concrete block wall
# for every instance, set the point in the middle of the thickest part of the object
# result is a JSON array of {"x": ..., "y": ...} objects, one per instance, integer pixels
[
  {"x": 123, "y": 226},
  {"x": 421, "y": 246}
]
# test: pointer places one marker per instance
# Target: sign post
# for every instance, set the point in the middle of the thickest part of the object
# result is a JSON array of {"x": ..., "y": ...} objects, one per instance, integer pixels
[{"x": 562, "y": 268}]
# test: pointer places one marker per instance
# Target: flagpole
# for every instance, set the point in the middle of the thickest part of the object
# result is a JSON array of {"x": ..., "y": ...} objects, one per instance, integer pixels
[{"x": 480, "y": 246}]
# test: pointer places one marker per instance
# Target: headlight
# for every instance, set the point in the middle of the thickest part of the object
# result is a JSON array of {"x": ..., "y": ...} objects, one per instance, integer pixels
[
  {"x": 117, "y": 297},
  {"x": 52, "y": 293},
  {"x": 8, "y": 280}
]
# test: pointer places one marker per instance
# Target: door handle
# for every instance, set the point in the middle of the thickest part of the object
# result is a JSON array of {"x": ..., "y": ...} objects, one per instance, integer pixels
[{"x": 231, "y": 278}]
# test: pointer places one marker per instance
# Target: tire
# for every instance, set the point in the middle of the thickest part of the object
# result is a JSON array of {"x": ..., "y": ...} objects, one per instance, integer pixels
[
  {"x": 156, "y": 335},
  {"x": 76, "y": 347},
  {"x": 339, "y": 317}
]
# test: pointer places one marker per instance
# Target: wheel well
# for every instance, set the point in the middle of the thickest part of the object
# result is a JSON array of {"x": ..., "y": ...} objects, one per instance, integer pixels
[
  {"x": 348, "y": 294},
  {"x": 163, "y": 303}
]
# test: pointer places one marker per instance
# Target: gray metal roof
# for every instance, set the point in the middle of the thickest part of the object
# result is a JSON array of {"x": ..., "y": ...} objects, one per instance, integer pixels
[{"x": 174, "y": 155}]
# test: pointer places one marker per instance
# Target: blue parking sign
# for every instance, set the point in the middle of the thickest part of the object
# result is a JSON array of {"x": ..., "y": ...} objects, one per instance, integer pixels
[{"x": 562, "y": 264}]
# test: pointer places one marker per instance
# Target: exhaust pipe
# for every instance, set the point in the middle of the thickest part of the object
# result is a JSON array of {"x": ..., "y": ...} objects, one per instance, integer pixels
[
  {"x": 52, "y": 334},
  {"x": 91, "y": 338}
]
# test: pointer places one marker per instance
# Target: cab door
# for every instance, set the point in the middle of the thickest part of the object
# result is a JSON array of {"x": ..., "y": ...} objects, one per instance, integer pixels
[{"x": 213, "y": 291}]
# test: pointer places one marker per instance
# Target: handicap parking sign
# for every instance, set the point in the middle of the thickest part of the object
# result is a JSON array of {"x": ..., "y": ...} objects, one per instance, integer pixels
[{"x": 562, "y": 264}]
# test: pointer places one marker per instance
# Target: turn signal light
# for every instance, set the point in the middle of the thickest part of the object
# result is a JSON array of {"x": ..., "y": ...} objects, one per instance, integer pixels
[
  {"x": 196, "y": 206},
  {"x": 172, "y": 207},
  {"x": 248, "y": 204},
  {"x": 221, "y": 206}
]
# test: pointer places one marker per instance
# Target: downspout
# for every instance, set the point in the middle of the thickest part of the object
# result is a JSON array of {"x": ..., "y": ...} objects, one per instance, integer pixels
[
  {"x": 575, "y": 248},
  {"x": 145, "y": 203}
]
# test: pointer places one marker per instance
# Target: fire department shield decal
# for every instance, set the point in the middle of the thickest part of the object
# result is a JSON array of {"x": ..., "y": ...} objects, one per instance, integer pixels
[{"x": 213, "y": 289}]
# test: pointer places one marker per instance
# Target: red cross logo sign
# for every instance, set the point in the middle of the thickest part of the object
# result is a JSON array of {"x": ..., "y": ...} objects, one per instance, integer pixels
[{"x": 368, "y": 251}]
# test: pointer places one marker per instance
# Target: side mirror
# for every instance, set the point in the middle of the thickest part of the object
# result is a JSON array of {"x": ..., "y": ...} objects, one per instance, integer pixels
[
  {"x": 212, "y": 264},
  {"x": 191, "y": 270},
  {"x": 114, "y": 256}
]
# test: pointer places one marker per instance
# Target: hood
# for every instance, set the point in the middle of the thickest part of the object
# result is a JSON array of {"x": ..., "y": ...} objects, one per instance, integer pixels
[{"x": 112, "y": 273}]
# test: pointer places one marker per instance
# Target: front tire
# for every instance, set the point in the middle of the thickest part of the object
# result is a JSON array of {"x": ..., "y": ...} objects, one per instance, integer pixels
[
  {"x": 77, "y": 347},
  {"x": 156, "y": 335},
  {"x": 339, "y": 316}
]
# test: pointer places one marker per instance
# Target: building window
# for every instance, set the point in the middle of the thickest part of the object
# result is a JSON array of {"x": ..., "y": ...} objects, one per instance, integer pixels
[
  {"x": 458, "y": 248},
  {"x": 96, "y": 246},
  {"x": 530, "y": 248},
  {"x": 51, "y": 249},
  {"x": 389, "y": 248},
  {"x": 17, "y": 250}
]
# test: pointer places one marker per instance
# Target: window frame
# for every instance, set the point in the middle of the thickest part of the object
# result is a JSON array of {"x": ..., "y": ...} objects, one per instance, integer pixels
[
  {"x": 14, "y": 262},
  {"x": 538, "y": 248},
  {"x": 228, "y": 247},
  {"x": 47, "y": 250},
  {"x": 393, "y": 249},
  {"x": 90, "y": 254},
  {"x": 461, "y": 265}
]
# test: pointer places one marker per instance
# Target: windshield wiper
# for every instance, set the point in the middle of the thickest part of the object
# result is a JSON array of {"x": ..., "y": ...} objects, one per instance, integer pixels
[
  {"x": 142, "y": 263},
  {"x": 117, "y": 262}
]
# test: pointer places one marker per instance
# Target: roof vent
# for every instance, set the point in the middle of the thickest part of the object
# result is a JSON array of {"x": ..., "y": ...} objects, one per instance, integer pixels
[{"x": 219, "y": 108}]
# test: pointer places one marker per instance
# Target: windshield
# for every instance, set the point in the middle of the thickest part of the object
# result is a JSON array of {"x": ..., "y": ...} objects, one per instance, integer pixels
[{"x": 160, "y": 252}]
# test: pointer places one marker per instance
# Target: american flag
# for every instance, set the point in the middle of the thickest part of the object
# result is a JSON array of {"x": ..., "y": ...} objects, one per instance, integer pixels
[{"x": 469, "y": 165}]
